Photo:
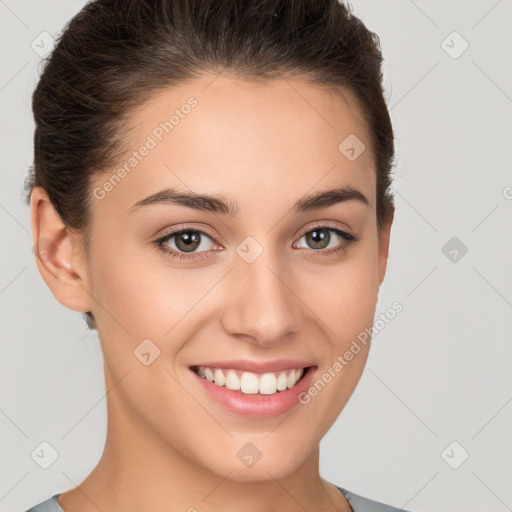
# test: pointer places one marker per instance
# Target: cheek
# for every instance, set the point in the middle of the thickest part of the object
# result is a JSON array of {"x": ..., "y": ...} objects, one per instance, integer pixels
[
  {"x": 347, "y": 308},
  {"x": 345, "y": 295},
  {"x": 136, "y": 291}
]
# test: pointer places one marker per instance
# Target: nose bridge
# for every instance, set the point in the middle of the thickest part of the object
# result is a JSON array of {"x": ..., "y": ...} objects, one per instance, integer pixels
[{"x": 263, "y": 305}]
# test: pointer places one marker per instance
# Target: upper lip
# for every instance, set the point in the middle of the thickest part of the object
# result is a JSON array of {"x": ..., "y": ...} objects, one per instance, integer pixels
[{"x": 257, "y": 367}]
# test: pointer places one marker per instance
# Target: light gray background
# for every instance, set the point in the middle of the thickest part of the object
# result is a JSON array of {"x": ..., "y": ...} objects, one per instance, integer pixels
[{"x": 439, "y": 372}]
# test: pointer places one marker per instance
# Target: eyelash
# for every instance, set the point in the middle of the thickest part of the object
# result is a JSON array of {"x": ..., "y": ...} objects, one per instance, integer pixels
[{"x": 160, "y": 242}]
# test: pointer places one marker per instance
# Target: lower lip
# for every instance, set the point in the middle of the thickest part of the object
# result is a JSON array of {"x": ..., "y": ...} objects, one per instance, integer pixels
[{"x": 256, "y": 405}]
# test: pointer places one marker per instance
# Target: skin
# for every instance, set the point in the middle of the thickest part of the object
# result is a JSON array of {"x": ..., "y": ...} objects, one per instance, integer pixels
[{"x": 263, "y": 147}]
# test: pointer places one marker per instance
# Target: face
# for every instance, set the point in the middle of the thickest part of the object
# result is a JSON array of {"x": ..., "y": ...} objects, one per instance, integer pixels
[{"x": 259, "y": 273}]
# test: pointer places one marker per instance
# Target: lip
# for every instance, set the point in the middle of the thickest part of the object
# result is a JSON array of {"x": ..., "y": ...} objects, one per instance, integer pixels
[
  {"x": 246, "y": 365},
  {"x": 256, "y": 405}
]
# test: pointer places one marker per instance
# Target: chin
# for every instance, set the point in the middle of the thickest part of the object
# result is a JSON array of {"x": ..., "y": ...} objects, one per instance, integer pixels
[{"x": 268, "y": 467}]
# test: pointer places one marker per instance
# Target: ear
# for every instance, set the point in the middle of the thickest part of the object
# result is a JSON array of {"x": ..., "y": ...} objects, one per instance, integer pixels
[
  {"x": 384, "y": 238},
  {"x": 59, "y": 257}
]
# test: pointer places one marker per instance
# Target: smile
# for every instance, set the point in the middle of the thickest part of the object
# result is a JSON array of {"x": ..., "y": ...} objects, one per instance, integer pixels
[
  {"x": 250, "y": 383},
  {"x": 254, "y": 394}
]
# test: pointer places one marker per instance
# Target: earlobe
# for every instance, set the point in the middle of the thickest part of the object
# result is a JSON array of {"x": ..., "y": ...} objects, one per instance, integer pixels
[{"x": 58, "y": 255}]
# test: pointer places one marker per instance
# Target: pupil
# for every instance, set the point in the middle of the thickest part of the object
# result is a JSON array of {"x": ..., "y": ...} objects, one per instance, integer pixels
[
  {"x": 187, "y": 241},
  {"x": 317, "y": 238}
]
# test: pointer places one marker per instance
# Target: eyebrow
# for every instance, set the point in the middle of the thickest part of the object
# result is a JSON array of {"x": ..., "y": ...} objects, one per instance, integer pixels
[{"x": 217, "y": 204}]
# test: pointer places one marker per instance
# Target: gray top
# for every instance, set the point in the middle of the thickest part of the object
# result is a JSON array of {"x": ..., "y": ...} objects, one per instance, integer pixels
[{"x": 357, "y": 503}]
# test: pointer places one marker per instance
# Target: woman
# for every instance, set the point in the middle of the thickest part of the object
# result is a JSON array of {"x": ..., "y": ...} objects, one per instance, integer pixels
[{"x": 211, "y": 188}]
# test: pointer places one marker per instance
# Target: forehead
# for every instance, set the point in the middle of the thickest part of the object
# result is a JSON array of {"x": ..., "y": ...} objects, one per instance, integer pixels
[{"x": 270, "y": 141}]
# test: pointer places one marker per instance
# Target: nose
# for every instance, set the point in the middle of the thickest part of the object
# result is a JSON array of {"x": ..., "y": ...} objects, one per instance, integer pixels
[{"x": 262, "y": 304}]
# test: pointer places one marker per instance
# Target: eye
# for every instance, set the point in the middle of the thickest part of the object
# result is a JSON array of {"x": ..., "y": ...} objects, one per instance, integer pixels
[
  {"x": 320, "y": 239},
  {"x": 186, "y": 243}
]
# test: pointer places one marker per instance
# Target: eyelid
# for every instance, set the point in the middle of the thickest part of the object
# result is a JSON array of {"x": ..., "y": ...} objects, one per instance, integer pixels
[
  {"x": 186, "y": 227},
  {"x": 349, "y": 238},
  {"x": 189, "y": 227},
  {"x": 327, "y": 224}
]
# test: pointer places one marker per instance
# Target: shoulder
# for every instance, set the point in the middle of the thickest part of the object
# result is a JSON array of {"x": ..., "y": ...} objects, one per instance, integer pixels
[
  {"x": 361, "y": 504},
  {"x": 50, "y": 505}
]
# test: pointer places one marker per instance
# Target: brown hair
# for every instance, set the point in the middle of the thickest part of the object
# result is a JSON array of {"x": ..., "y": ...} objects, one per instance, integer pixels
[{"x": 114, "y": 53}]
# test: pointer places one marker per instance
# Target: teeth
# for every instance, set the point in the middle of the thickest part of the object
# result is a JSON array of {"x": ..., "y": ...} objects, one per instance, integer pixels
[
  {"x": 219, "y": 378},
  {"x": 249, "y": 383},
  {"x": 252, "y": 383},
  {"x": 267, "y": 384},
  {"x": 292, "y": 379},
  {"x": 282, "y": 381},
  {"x": 232, "y": 381}
]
